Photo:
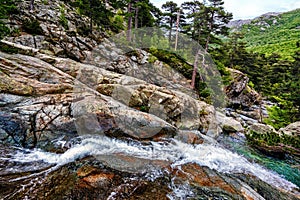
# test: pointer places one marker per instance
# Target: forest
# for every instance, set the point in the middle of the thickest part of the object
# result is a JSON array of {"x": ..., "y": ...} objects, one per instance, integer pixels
[{"x": 274, "y": 75}]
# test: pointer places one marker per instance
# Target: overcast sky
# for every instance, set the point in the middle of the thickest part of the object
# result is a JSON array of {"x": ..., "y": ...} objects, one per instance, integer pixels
[{"x": 248, "y": 9}]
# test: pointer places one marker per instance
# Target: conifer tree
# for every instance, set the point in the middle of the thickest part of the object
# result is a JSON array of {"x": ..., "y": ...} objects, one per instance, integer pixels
[
  {"x": 217, "y": 19},
  {"x": 170, "y": 16}
]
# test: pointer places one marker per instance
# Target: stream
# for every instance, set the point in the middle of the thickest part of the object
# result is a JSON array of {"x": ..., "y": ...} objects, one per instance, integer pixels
[{"x": 226, "y": 157}]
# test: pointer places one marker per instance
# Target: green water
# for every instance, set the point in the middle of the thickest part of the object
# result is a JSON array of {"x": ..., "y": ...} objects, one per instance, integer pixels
[{"x": 288, "y": 168}]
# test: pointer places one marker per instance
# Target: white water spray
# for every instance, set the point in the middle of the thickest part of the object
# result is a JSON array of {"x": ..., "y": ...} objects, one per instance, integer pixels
[{"x": 176, "y": 152}]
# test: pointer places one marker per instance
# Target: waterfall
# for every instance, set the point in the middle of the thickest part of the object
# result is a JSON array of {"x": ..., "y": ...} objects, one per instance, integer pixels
[{"x": 173, "y": 151}]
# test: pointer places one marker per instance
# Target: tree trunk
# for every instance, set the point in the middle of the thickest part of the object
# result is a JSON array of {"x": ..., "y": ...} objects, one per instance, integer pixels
[
  {"x": 177, "y": 29},
  {"x": 196, "y": 61},
  {"x": 31, "y": 5},
  {"x": 91, "y": 17},
  {"x": 195, "y": 69},
  {"x": 170, "y": 32},
  {"x": 210, "y": 29},
  {"x": 136, "y": 16},
  {"x": 129, "y": 25}
]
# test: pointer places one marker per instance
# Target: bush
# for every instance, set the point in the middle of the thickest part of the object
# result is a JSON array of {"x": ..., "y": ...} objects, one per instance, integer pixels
[
  {"x": 282, "y": 114},
  {"x": 62, "y": 18},
  {"x": 32, "y": 26},
  {"x": 7, "y": 7}
]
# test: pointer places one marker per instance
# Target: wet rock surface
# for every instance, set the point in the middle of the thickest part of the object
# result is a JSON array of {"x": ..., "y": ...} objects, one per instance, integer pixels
[{"x": 90, "y": 179}]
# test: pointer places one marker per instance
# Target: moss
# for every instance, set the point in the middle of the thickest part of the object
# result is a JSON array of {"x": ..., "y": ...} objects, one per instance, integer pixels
[
  {"x": 32, "y": 26},
  {"x": 45, "y": 2},
  {"x": 203, "y": 112},
  {"x": 173, "y": 60},
  {"x": 152, "y": 59},
  {"x": 62, "y": 18},
  {"x": 11, "y": 86},
  {"x": 8, "y": 49},
  {"x": 271, "y": 140},
  {"x": 144, "y": 108}
]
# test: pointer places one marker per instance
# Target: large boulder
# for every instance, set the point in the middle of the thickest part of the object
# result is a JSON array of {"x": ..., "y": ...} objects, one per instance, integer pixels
[
  {"x": 292, "y": 129},
  {"x": 175, "y": 107},
  {"x": 262, "y": 128},
  {"x": 47, "y": 93},
  {"x": 228, "y": 124},
  {"x": 238, "y": 91}
]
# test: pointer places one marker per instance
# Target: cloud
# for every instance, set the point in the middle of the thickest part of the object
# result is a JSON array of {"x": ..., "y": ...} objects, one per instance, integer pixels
[{"x": 247, "y": 9}]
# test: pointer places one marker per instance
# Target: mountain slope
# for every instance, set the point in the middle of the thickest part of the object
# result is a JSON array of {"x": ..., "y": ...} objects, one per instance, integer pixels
[{"x": 274, "y": 33}]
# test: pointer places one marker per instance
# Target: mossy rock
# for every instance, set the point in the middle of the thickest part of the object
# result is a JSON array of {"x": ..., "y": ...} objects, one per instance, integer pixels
[
  {"x": 8, "y": 85},
  {"x": 274, "y": 144}
]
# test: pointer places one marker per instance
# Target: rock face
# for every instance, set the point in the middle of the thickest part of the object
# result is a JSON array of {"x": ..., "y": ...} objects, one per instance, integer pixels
[
  {"x": 274, "y": 143},
  {"x": 48, "y": 100},
  {"x": 91, "y": 179},
  {"x": 291, "y": 130},
  {"x": 229, "y": 124},
  {"x": 41, "y": 29},
  {"x": 238, "y": 91},
  {"x": 237, "y": 24}
]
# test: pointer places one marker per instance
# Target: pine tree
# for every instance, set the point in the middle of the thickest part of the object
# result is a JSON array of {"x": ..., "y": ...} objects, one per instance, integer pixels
[
  {"x": 217, "y": 19},
  {"x": 170, "y": 16},
  {"x": 195, "y": 15},
  {"x": 144, "y": 14},
  {"x": 96, "y": 10},
  {"x": 236, "y": 52}
]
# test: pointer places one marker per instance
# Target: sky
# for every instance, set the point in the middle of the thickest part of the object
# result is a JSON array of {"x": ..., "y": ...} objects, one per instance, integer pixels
[{"x": 249, "y": 9}]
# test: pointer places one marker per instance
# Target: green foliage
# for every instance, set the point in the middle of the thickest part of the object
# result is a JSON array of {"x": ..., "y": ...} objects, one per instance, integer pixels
[
  {"x": 96, "y": 11},
  {"x": 15, "y": 32},
  {"x": 180, "y": 64},
  {"x": 8, "y": 49},
  {"x": 145, "y": 11},
  {"x": 118, "y": 22},
  {"x": 251, "y": 84},
  {"x": 32, "y": 26},
  {"x": 282, "y": 114},
  {"x": 277, "y": 117},
  {"x": 152, "y": 59},
  {"x": 273, "y": 76},
  {"x": 7, "y": 7},
  {"x": 277, "y": 34},
  {"x": 144, "y": 108},
  {"x": 170, "y": 16},
  {"x": 173, "y": 60},
  {"x": 272, "y": 139},
  {"x": 207, "y": 22},
  {"x": 3, "y": 30},
  {"x": 62, "y": 18},
  {"x": 45, "y": 2}
]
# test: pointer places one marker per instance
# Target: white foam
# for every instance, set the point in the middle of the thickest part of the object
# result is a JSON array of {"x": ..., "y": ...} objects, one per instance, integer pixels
[{"x": 210, "y": 155}]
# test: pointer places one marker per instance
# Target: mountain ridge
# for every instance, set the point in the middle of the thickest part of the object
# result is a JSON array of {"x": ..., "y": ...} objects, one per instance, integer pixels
[
  {"x": 240, "y": 22},
  {"x": 271, "y": 33}
]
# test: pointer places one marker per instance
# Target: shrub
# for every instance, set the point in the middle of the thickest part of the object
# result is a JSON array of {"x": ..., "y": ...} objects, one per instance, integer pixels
[
  {"x": 62, "y": 18},
  {"x": 32, "y": 26}
]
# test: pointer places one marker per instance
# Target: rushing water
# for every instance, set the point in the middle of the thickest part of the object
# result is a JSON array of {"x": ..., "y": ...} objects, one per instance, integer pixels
[
  {"x": 288, "y": 168},
  {"x": 177, "y": 153}
]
